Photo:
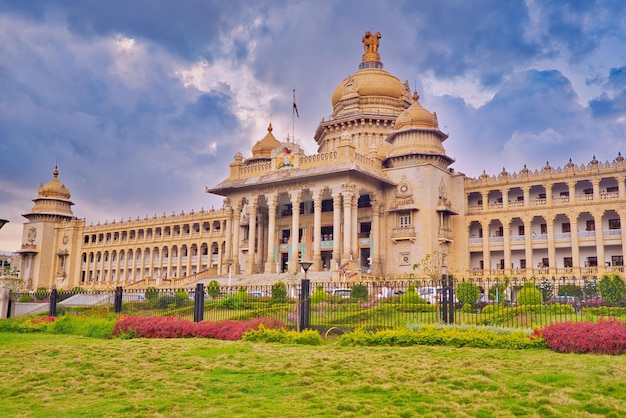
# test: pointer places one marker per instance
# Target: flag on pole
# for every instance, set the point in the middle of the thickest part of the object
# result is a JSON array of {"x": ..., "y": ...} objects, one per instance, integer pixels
[{"x": 295, "y": 106}]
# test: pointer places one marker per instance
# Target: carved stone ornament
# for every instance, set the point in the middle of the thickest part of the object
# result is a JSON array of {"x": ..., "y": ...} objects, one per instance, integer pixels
[
  {"x": 32, "y": 234},
  {"x": 404, "y": 189}
]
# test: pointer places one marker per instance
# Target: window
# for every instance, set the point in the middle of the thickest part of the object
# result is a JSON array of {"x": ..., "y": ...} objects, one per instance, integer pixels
[
  {"x": 590, "y": 225},
  {"x": 544, "y": 229},
  {"x": 522, "y": 263},
  {"x": 520, "y": 230},
  {"x": 545, "y": 262},
  {"x": 614, "y": 224},
  {"x": 617, "y": 260},
  {"x": 567, "y": 262},
  {"x": 612, "y": 189},
  {"x": 542, "y": 195},
  {"x": 591, "y": 262},
  {"x": 404, "y": 220},
  {"x": 565, "y": 227}
]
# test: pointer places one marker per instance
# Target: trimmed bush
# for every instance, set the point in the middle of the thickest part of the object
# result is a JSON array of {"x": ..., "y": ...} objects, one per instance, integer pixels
[
  {"x": 279, "y": 292},
  {"x": 603, "y": 337},
  {"x": 612, "y": 288},
  {"x": 467, "y": 293},
  {"x": 411, "y": 297},
  {"x": 358, "y": 292},
  {"x": 213, "y": 289},
  {"x": 267, "y": 335},
  {"x": 320, "y": 295},
  {"x": 570, "y": 290},
  {"x": 529, "y": 295}
]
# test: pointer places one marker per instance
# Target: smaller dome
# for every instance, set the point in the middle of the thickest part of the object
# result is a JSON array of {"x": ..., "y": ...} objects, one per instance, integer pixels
[
  {"x": 54, "y": 188},
  {"x": 416, "y": 116},
  {"x": 264, "y": 147}
]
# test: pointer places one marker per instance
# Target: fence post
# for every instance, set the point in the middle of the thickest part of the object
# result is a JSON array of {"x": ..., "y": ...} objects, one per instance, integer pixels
[
  {"x": 305, "y": 305},
  {"x": 451, "y": 299},
  {"x": 53, "y": 302},
  {"x": 117, "y": 304},
  {"x": 198, "y": 306},
  {"x": 444, "y": 298}
]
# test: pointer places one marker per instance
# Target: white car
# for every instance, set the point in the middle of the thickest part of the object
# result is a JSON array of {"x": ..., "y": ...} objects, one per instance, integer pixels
[{"x": 430, "y": 294}]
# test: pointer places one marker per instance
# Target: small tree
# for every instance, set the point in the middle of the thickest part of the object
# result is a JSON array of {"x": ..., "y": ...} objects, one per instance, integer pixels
[
  {"x": 612, "y": 288},
  {"x": 590, "y": 288},
  {"x": 213, "y": 289},
  {"x": 358, "y": 292},
  {"x": 529, "y": 295},
  {"x": 152, "y": 293},
  {"x": 498, "y": 291},
  {"x": 432, "y": 264},
  {"x": 546, "y": 288},
  {"x": 279, "y": 292},
  {"x": 467, "y": 293},
  {"x": 570, "y": 290},
  {"x": 411, "y": 296},
  {"x": 320, "y": 295}
]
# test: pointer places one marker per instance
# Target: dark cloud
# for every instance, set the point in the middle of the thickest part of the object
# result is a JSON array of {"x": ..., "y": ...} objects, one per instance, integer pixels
[{"x": 95, "y": 87}]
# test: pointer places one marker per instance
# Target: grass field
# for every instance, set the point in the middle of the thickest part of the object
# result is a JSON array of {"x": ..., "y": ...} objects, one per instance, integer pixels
[{"x": 63, "y": 376}]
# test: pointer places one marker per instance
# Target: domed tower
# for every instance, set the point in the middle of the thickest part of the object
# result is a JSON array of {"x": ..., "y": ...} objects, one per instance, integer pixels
[
  {"x": 417, "y": 134},
  {"x": 262, "y": 149},
  {"x": 365, "y": 104},
  {"x": 39, "y": 236}
]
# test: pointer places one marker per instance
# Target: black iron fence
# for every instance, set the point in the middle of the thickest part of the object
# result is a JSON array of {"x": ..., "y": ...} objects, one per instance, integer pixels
[{"x": 374, "y": 305}]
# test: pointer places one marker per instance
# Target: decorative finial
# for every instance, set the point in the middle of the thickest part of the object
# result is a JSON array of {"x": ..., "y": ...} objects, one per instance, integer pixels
[
  {"x": 415, "y": 96},
  {"x": 269, "y": 128}
]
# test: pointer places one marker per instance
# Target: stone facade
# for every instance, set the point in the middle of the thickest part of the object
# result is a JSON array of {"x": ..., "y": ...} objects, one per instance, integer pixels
[{"x": 377, "y": 197}]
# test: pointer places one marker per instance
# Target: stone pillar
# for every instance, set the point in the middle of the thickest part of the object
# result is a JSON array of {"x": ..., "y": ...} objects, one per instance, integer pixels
[
  {"x": 571, "y": 186},
  {"x": 526, "y": 191},
  {"x": 250, "y": 267},
  {"x": 270, "y": 262},
  {"x": 317, "y": 229},
  {"x": 375, "y": 235},
  {"x": 597, "y": 218},
  {"x": 296, "y": 197},
  {"x": 355, "y": 228},
  {"x": 336, "y": 226},
  {"x": 486, "y": 251},
  {"x": 485, "y": 201},
  {"x": 348, "y": 194},
  {"x": 575, "y": 248},
  {"x": 235, "y": 238},
  {"x": 549, "y": 196},
  {"x": 528, "y": 246},
  {"x": 551, "y": 247},
  {"x": 505, "y": 202},
  {"x": 506, "y": 236},
  {"x": 229, "y": 238},
  {"x": 621, "y": 189}
]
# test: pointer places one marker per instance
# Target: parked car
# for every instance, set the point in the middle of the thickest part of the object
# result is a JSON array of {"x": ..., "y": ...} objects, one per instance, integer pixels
[
  {"x": 342, "y": 293},
  {"x": 430, "y": 294},
  {"x": 257, "y": 293},
  {"x": 568, "y": 300}
]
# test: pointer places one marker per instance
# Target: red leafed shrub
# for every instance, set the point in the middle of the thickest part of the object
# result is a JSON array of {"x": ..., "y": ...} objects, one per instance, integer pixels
[
  {"x": 172, "y": 327},
  {"x": 603, "y": 337}
]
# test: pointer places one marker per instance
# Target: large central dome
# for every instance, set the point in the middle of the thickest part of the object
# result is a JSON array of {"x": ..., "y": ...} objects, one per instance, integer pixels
[{"x": 371, "y": 89}]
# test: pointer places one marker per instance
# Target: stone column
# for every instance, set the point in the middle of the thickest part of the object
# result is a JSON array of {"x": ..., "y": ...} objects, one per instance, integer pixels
[
  {"x": 348, "y": 194},
  {"x": 526, "y": 191},
  {"x": 575, "y": 248},
  {"x": 528, "y": 246},
  {"x": 597, "y": 218},
  {"x": 296, "y": 197},
  {"x": 317, "y": 229},
  {"x": 270, "y": 262},
  {"x": 549, "y": 194},
  {"x": 355, "y": 228},
  {"x": 551, "y": 247},
  {"x": 375, "y": 235},
  {"x": 485, "y": 197},
  {"x": 571, "y": 186},
  {"x": 486, "y": 251},
  {"x": 596, "y": 191},
  {"x": 505, "y": 200},
  {"x": 250, "y": 268},
  {"x": 229, "y": 238},
  {"x": 336, "y": 225},
  {"x": 235, "y": 239},
  {"x": 506, "y": 236},
  {"x": 621, "y": 189}
]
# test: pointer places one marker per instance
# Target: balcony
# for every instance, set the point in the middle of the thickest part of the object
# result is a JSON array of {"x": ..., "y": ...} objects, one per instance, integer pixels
[{"x": 403, "y": 234}]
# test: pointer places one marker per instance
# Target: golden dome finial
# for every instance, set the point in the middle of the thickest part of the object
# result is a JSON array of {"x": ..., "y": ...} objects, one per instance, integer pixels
[
  {"x": 269, "y": 128},
  {"x": 415, "y": 96}
]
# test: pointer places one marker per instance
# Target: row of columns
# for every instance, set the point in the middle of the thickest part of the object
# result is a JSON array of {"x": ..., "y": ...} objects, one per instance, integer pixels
[
  {"x": 528, "y": 249},
  {"x": 345, "y": 245}
]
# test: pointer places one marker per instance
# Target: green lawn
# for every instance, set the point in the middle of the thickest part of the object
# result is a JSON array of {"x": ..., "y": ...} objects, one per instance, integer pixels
[{"x": 55, "y": 375}]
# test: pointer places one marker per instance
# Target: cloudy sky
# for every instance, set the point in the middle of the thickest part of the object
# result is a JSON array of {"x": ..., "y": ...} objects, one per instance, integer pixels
[{"x": 142, "y": 104}]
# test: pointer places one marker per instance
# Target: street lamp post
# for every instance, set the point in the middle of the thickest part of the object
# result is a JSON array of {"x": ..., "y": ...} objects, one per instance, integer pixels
[{"x": 305, "y": 301}]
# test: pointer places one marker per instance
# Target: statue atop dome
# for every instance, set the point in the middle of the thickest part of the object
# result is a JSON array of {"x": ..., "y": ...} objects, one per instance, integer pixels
[{"x": 370, "y": 43}]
